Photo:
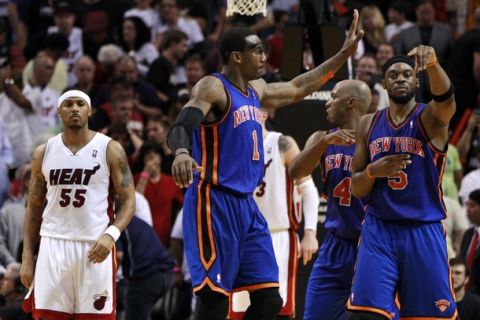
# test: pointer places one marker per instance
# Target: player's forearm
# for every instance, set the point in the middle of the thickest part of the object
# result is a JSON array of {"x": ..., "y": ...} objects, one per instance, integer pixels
[
  {"x": 312, "y": 80},
  {"x": 31, "y": 231},
  {"x": 362, "y": 184},
  {"x": 310, "y": 202},
  {"x": 125, "y": 214},
  {"x": 307, "y": 160}
]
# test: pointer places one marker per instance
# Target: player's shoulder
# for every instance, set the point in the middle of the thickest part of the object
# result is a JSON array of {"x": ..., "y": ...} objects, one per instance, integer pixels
[
  {"x": 210, "y": 88},
  {"x": 259, "y": 85},
  {"x": 285, "y": 142}
]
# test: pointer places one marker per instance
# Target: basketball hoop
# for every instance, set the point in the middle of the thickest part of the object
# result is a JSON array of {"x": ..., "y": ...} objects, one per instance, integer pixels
[{"x": 246, "y": 7}]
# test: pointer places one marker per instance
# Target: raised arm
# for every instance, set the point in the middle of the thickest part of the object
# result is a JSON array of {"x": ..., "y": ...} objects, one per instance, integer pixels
[
  {"x": 37, "y": 192},
  {"x": 123, "y": 183},
  {"x": 279, "y": 94},
  {"x": 206, "y": 94},
  {"x": 440, "y": 110}
]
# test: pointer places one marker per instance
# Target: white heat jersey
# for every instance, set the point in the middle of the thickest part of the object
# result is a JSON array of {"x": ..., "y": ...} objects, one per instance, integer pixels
[
  {"x": 275, "y": 196},
  {"x": 79, "y": 205}
]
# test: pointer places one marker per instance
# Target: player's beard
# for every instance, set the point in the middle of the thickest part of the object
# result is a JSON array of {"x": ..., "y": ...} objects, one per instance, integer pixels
[{"x": 403, "y": 98}]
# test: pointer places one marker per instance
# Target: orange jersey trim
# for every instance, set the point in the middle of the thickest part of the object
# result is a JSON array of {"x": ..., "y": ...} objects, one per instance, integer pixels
[
  {"x": 212, "y": 286},
  {"x": 384, "y": 313},
  {"x": 258, "y": 286}
]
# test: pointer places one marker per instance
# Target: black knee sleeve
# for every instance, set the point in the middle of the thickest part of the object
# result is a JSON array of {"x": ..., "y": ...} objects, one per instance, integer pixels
[
  {"x": 367, "y": 316},
  {"x": 211, "y": 305},
  {"x": 265, "y": 304}
]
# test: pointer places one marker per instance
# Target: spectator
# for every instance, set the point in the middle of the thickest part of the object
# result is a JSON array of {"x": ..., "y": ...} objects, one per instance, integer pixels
[
  {"x": 275, "y": 41},
  {"x": 163, "y": 71},
  {"x": 143, "y": 9},
  {"x": 6, "y": 161},
  {"x": 194, "y": 70},
  {"x": 456, "y": 223},
  {"x": 171, "y": 18},
  {"x": 55, "y": 45},
  {"x": 468, "y": 304},
  {"x": 156, "y": 129},
  {"x": 469, "y": 142},
  {"x": 464, "y": 68},
  {"x": 373, "y": 23},
  {"x": 146, "y": 266},
  {"x": 163, "y": 195},
  {"x": 84, "y": 70},
  {"x": 108, "y": 56},
  {"x": 385, "y": 51},
  {"x": 146, "y": 99},
  {"x": 471, "y": 181},
  {"x": 426, "y": 31},
  {"x": 366, "y": 71},
  {"x": 453, "y": 174},
  {"x": 13, "y": 111},
  {"x": 397, "y": 16},
  {"x": 11, "y": 220},
  {"x": 130, "y": 142},
  {"x": 43, "y": 99},
  {"x": 470, "y": 250},
  {"x": 13, "y": 291},
  {"x": 64, "y": 17},
  {"x": 135, "y": 40}
]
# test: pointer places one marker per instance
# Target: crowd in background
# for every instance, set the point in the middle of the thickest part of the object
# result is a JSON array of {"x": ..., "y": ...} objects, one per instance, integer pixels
[{"x": 138, "y": 61}]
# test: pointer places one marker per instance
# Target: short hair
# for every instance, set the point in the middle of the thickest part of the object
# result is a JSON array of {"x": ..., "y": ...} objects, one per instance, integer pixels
[
  {"x": 56, "y": 42},
  {"x": 422, "y": 2},
  {"x": 109, "y": 53},
  {"x": 475, "y": 196},
  {"x": 459, "y": 261},
  {"x": 401, "y": 6},
  {"x": 233, "y": 40},
  {"x": 172, "y": 36}
]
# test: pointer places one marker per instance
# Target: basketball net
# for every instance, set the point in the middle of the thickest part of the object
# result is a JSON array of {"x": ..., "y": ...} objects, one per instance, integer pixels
[{"x": 246, "y": 7}]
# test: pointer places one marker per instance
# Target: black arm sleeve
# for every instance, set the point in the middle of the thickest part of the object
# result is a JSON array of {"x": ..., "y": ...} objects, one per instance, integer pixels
[{"x": 181, "y": 131}]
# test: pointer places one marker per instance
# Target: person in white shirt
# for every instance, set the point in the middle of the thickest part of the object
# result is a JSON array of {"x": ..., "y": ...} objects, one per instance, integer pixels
[{"x": 397, "y": 15}]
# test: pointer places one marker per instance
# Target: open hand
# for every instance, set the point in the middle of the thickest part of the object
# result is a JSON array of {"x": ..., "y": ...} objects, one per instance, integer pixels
[{"x": 353, "y": 36}]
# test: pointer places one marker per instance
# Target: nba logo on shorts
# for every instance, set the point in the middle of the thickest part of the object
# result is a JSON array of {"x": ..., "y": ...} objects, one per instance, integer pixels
[
  {"x": 442, "y": 304},
  {"x": 94, "y": 153}
]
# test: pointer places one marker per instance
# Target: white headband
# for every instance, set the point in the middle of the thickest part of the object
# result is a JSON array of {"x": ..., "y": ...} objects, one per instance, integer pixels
[{"x": 74, "y": 94}]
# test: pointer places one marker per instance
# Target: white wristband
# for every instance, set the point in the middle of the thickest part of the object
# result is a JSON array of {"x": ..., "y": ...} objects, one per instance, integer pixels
[{"x": 113, "y": 232}]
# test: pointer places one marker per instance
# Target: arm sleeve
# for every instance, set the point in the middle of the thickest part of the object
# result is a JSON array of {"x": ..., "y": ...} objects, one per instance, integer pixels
[{"x": 310, "y": 202}]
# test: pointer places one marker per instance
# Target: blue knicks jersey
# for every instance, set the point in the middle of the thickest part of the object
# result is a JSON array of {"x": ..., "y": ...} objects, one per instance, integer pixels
[
  {"x": 231, "y": 150},
  {"x": 344, "y": 212},
  {"x": 415, "y": 193}
]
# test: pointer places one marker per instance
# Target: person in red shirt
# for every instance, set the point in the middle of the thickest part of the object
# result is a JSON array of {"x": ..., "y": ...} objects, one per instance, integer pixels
[{"x": 163, "y": 195}]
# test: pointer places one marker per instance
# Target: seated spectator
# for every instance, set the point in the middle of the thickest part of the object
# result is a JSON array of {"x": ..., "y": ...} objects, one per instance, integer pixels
[
  {"x": 397, "y": 16},
  {"x": 130, "y": 142},
  {"x": 54, "y": 45},
  {"x": 163, "y": 195},
  {"x": 372, "y": 22},
  {"x": 135, "y": 41},
  {"x": 366, "y": 71},
  {"x": 147, "y": 267},
  {"x": 156, "y": 130},
  {"x": 456, "y": 223},
  {"x": 470, "y": 250},
  {"x": 469, "y": 142},
  {"x": 107, "y": 58},
  {"x": 13, "y": 291},
  {"x": 471, "y": 181},
  {"x": 468, "y": 304},
  {"x": 84, "y": 70},
  {"x": 385, "y": 51},
  {"x": 143, "y": 9}
]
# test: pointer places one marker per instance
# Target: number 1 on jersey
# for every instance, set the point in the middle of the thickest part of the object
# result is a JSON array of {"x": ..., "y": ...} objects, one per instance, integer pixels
[{"x": 256, "y": 154}]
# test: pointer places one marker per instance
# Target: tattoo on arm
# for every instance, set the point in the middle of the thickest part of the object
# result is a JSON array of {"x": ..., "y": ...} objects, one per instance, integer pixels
[
  {"x": 38, "y": 192},
  {"x": 127, "y": 178},
  {"x": 284, "y": 144}
]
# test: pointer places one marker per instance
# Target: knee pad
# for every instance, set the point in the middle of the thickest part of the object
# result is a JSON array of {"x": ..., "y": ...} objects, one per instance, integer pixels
[
  {"x": 265, "y": 304},
  {"x": 211, "y": 305},
  {"x": 367, "y": 316}
]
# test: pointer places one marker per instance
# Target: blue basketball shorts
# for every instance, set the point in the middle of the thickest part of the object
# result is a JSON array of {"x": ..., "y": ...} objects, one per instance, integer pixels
[
  {"x": 331, "y": 279},
  {"x": 407, "y": 261},
  {"x": 227, "y": 241}
]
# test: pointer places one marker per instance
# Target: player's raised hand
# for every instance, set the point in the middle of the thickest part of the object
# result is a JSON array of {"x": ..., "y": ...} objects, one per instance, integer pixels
[
  {"x": 353, "y": 36},
  {"x": 389, "y": 165},
  {"x": 101, "y": 249},
  {"x": 27, "y": 271},
  {"x": 341, "y": 137},
  {"x": 182, "y": 169},
  {"x": 424, "y": 57}
]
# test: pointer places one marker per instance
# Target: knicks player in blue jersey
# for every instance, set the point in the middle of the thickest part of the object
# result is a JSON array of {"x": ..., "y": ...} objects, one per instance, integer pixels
[
  {"x": 330, "y": 281},
  {"x": 227, "y": 242},
  {"x": 399, "y": 161}
]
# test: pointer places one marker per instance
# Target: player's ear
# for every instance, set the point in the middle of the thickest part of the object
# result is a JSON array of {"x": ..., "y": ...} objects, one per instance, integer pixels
[{"x": 236, "y": 57}]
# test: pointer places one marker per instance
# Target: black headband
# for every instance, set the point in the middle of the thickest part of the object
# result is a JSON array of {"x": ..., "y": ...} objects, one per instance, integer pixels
[{"x": 395, "y": 59}]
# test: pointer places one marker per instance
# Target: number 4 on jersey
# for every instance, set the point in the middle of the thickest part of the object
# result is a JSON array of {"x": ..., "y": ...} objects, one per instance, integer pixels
[{"x": 343, "y": 193}]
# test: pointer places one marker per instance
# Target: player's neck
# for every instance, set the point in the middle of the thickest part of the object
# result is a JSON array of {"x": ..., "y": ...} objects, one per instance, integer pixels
[
  {"x": 74, "y": 139},
  {"x": 398, "y": 112},
  {"x": 235, "y": 77}
]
